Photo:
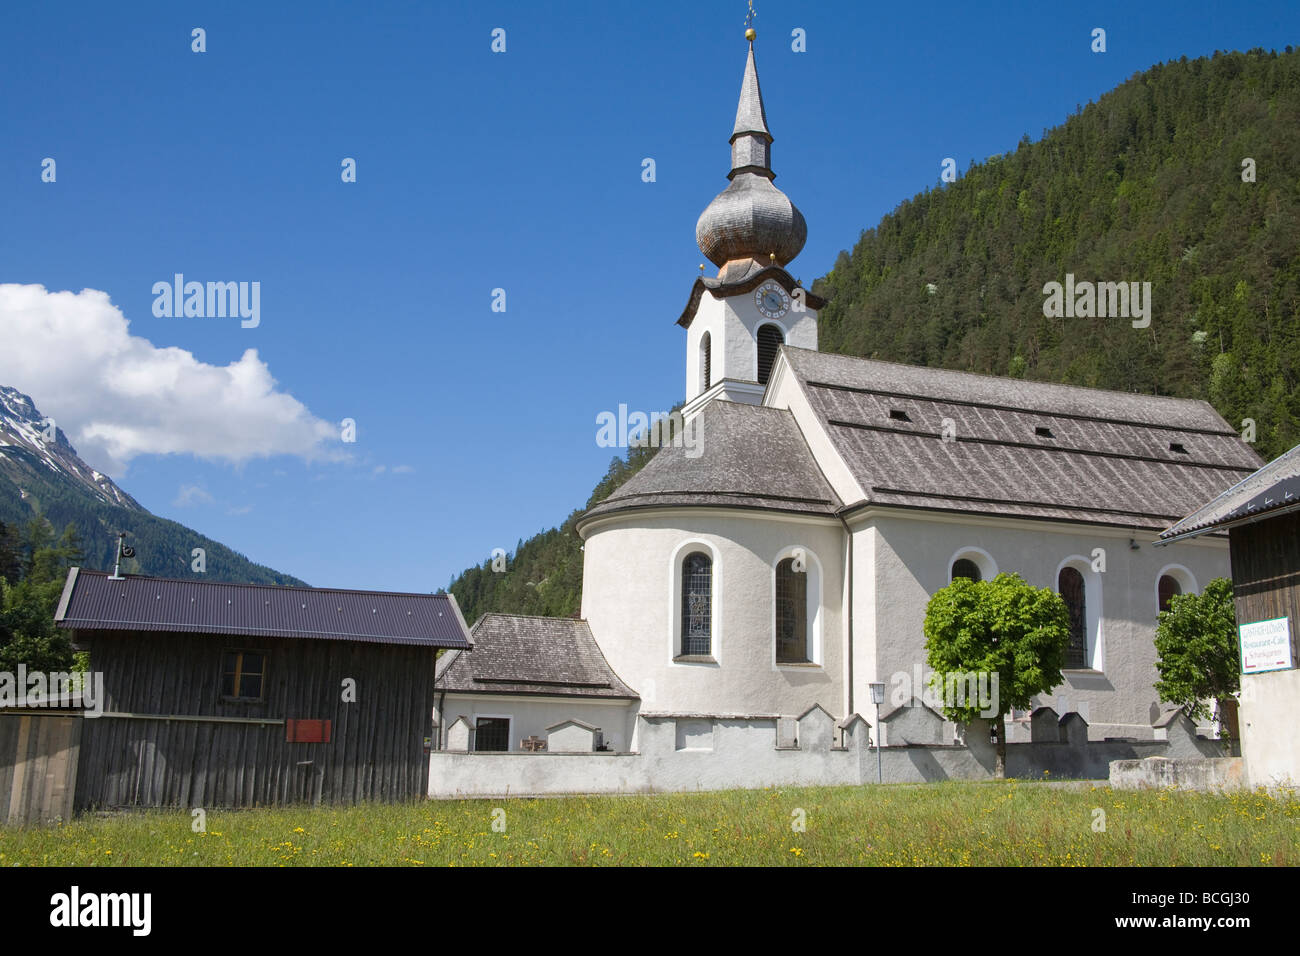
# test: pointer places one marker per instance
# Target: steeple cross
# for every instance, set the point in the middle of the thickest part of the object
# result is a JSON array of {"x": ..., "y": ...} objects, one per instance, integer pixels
[{"x": 749, "y": 17}]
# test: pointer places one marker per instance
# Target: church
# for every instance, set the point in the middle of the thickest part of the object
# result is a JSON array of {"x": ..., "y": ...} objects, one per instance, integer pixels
[{"x": 780, "y": 563}]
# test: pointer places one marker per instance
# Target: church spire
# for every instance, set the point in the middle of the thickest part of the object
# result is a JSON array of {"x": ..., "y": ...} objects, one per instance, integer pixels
[
  {"x": 750, "y": 139},
  {"x": 751, "y": 222}
]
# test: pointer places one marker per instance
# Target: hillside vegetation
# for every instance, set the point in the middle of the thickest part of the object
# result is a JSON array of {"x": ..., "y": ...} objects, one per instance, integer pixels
[{"x": 1145, "y": 185}]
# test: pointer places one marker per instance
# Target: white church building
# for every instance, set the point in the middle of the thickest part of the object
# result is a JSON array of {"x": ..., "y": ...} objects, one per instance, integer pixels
[{"x": 740, "y": 596}]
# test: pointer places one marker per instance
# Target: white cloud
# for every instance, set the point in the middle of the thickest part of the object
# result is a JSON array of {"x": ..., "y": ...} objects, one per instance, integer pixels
[
  {"x": 118, "y": 395},
  {"x": 191, "y": 495},
  {"x": 402, "y": 469}
]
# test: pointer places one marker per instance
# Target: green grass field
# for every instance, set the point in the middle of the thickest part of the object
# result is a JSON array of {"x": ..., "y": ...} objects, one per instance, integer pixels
[{"x": 1011, "y": 823}]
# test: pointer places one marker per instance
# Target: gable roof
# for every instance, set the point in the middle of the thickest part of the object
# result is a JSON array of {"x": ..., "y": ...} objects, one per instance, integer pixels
[
  {"x": 1106, "y": 457},
  {"x": 519, "y": 654},
  {"x": 1274, "y": 489},
  {"x": 750, "y": 456},
  {"x": 93, "y": 601}
]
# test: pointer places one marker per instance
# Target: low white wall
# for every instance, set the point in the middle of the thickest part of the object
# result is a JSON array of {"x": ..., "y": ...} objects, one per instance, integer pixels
[
  {"x": 701, "y": 752},
  {"x": 531, "y": 716}
]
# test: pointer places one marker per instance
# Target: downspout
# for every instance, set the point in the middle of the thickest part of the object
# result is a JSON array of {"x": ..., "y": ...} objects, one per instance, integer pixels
[{"x": 848, "y": 623}]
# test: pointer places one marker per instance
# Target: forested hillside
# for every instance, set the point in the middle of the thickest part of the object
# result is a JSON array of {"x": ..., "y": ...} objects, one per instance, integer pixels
[{"x": 1145, "y": 185}]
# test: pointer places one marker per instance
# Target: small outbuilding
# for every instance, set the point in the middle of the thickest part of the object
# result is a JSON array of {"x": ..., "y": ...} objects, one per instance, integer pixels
[
  {"x": 526, "y": 678},
  {"x": 233, "y": 695},
  {"x": 1261, "y": 515}
]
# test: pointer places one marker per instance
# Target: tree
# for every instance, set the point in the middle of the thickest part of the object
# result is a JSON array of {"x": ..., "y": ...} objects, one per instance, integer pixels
[
  {"x": 11, "y": 562},
  {"x": 1006, "y": 629},
  {"x": 28, "y": 634},
  {"x": 1196, "y": 640}
]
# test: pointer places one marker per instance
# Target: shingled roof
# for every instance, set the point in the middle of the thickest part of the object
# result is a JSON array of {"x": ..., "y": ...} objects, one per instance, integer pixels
[
  {"x": 93, "y": 601},
  {"x": 1274, "y": 489},
  {"x": 1019, "y": 448},
  {"x": 540, "y": 656},
  {"x": 749, "y": 456}
]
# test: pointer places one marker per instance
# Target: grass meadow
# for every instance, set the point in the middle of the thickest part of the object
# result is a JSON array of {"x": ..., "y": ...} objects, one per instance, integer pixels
[{"x": 1001, "y": 823}]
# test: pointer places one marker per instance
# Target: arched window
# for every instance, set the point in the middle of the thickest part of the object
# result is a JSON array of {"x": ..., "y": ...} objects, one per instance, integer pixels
[
  {"x": 1166, "y": 590},
  {"x": 966, "y": 568},
  {"x": 697, "y": 604},
  {"x": 706, "y": 362},
  {"x": 770, "y": 340},
  {"x": 791, "y": 614},
  {"x": 1070, "y": 585}
]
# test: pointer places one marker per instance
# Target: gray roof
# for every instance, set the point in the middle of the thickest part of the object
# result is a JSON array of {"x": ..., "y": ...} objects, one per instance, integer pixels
[
  {"x": 519, "y": 654},
  {"x": 751, "y": 457},
  {"x": 1273, "y": 489},
  {"x": 1110, "y": 457},
  {"x": 93, "y": 601}
]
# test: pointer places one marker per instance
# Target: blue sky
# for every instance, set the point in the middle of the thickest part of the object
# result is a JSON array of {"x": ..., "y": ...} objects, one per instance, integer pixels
[{"x": 475, "y": 171}]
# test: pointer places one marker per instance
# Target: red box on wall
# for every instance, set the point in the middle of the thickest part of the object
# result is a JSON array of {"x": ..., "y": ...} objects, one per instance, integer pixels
[{"x": 307, "y": 731}]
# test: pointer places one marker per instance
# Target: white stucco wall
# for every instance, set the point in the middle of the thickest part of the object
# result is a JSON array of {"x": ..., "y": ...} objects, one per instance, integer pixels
[
  {"x": 631, "y": 574},
  {"x": 732, "y": 324},
  {"x": 1269, "y": 716},
  {"x": 901, "y": 560},
  {"x": 530, "y": 716}
]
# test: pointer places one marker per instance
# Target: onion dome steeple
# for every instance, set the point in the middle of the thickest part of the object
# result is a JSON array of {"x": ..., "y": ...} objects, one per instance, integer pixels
[{"x": 751, "y": 221}]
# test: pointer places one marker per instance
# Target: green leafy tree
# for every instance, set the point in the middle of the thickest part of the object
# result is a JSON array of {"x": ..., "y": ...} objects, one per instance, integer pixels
[
  {"x": 1004, "y": 627},
  {"x": 1196, "y": 640}
]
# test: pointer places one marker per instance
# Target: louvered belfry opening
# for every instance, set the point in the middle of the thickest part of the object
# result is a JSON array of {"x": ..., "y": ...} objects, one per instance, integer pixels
[
  {"x": 706, "y": 362},
  {"x": 791, "y": 614},
  {"x": 1070, "y": 586},
  {"x": 966, "y": 568},
  {"x": 770, "y": 340},
  {"x": 697, "y": 604}
]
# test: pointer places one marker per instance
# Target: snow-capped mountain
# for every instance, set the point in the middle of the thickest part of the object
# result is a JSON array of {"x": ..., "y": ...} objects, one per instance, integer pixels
[{"x": 25, "y": 444}]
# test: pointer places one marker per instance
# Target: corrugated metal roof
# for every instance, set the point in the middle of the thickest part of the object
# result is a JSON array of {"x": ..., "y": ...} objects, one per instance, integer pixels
[
  {"x": 1274, "y": 488},
  {"x": 94, "y": 601}
]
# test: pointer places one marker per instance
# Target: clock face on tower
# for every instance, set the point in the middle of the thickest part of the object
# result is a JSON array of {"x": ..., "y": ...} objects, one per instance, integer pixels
[{"x": 772, "y": 300}]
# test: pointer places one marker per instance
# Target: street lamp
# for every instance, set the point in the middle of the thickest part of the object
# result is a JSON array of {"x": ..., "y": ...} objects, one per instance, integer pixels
[{"x": 878, "y": 698}]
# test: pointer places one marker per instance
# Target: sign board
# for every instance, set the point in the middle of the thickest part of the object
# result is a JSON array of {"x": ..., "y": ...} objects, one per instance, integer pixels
[{"x": 1266, "y": 646}]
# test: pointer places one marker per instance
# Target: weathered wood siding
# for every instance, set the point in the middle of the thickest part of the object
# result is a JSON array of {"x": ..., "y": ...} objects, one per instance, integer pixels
[
  {"x": 38, "y": 766},
  {"x": 1266, "y": 572},
  {"x": 375, "y": 750}
]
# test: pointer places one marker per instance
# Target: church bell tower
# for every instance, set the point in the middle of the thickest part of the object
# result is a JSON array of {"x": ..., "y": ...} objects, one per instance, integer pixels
[{"x": 737, "y": 321}]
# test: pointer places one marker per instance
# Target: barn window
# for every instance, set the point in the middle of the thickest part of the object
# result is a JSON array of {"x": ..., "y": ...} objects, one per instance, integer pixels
[
  {"x": 706, "y": 362},
  {"x": 242, "y": 675},
  {"x": 791, "y": 614},
  {"x": 1070, "y": 585},
  {"x": 770, "y": 340},
  {"x": 1167, "y": 588},
  {"x": 697, "y": 604},
  {"x": 492, "y": 734},
  {"x": 966, "y": 568}
]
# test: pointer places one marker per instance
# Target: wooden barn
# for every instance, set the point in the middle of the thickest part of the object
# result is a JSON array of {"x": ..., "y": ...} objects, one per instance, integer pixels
[
  {"x": 1261, "y": 515},
  {"x": 236, "y": 695}
]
